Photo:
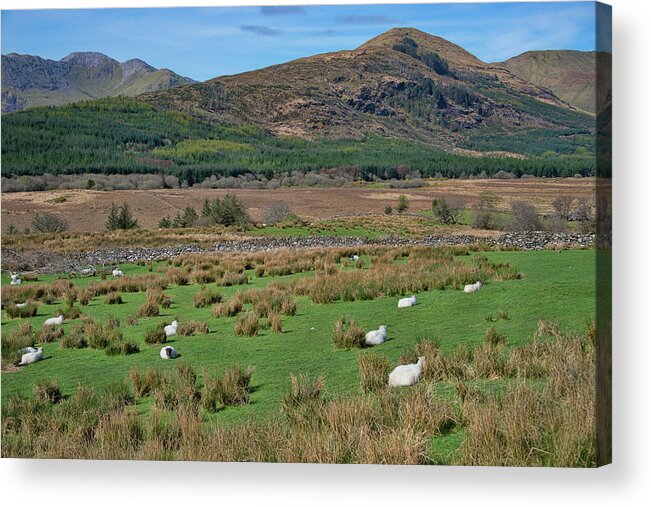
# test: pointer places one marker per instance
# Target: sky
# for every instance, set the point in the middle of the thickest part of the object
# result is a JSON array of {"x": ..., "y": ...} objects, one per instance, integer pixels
[{"x": 203, "y": 42}]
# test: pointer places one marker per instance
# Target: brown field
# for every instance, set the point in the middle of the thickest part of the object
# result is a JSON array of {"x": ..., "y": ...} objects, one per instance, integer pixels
[{"x": 86, "y": 210}]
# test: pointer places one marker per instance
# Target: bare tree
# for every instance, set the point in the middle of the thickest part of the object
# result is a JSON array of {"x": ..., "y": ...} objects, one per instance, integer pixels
[
  {"x": 49, "y": 222},
  {"x": 524, "y": 217},
  {"x": 563, "y": 206}
]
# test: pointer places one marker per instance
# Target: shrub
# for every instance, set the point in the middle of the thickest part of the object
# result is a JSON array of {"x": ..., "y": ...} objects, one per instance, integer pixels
[
  {"x": 524, "y": 217},
  {"x": 192, "y": 327},
  {"x": 120, "y": 218},
  {"x": 403, "y": 204},
  {"x": 47, "y": 391},
  {"x": 49, "y": 222},
  {"x": 347, "y": 335},
  {"x": 132, "y": 320},
  {"x": 443, "y": 212},
  {"x": 206, "y": 297},
  {"x": 50, "y": 334},
  {"x": 388, "y": 210},
  {"x": 563, "y": 207},
  {"x": 156, "y": 334},
  {"x": 276, "y": 213},
  {"x": 247, "y": 324},
  {"x": 485, "y": 210},
  {"x": 374, "y": 371},
  {"x": 21, "y": 313},
  {"x": 113, "y": 298}
]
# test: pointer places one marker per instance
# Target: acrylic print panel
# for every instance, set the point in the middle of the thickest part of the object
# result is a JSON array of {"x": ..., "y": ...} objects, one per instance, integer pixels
[{"x": 337, "y": 234}]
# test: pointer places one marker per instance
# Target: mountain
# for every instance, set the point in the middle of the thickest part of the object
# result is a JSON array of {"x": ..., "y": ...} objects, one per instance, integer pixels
[
  {"x": 570, "y": 75},
  {"x": 404, "y": 98},
  {"x": 404, "y": 83},
  {"x": 29, "y": 81}
]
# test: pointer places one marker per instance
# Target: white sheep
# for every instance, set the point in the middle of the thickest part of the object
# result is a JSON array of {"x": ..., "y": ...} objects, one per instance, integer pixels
[
  {"x": 472, "y": 287},
  {"x": 31, "y": 357},
  {"x": 90, "y": 271},
  {"x": 407, "y": 302},
  {"x": 354, "y": 257},
  {"x": 117, "y": 273},
  {"x": 406, "y": 374},
  {"x": 170, "y": 330},
  {"x": 21, "y": 305},
  {"x": 53, "y": 321},
  {"x": 15, "y": 279},
  {"x": 27, "y": 350},
  {"x": 376, "y": 337},
  {"x": 168, "y": 352}
]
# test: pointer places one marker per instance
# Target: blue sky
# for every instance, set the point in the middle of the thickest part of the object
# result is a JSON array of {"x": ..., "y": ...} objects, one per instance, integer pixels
[{"x": 206, "y": 42}]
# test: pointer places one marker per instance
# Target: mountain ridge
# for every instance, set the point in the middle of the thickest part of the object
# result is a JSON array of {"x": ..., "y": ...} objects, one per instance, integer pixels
[{"x": 29, "y": 80}]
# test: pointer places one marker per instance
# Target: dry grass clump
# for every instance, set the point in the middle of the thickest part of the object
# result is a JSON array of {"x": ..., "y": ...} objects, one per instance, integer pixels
[
  {"x": 247, "y": 324},
  {"x": 347, "y": 335},
  {"x": 49, "y": 334},
  {"x": 14, "y": 342},
  {"x": 206, "y": 297},
  {"x": 230, "y": 279},
  {"x": 107, "y": 337},
  {"x": 493, "y": 337},
  {"x": 47, "y": 391},
  {"x": 75, "y": 339},
  {"x": 274, "y": 298},
  {"x": 85, "y": 296},
  {"x": 232, "y": 388},
  {"x": 132, "y": 320},
  {"x": 113, "y": 298},
  {"x": 21, "y": 313},
  {"x": 156, "y": 334},
  {"x": 374, "y": 371},
  {"x": 230, "y": 309},
  {"x": 148, "y": 309},
  {"x": 70, "y": 312},
  {"x": 192, "y": 327},
  {"x": 275, "y": 323},
  {"x": 303, "y": 399}
]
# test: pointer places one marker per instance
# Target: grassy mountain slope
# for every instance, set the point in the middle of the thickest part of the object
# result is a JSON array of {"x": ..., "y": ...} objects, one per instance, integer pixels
[
  {"x": 570, "y": 75},
  {"x": 29, "y": 81}
]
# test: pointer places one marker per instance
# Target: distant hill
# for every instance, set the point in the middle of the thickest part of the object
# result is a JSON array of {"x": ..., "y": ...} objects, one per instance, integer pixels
[
  {"x": 570, "y": 75},
  {"x": 404, "y": 83},
  {"x": 29, "y": 81}
]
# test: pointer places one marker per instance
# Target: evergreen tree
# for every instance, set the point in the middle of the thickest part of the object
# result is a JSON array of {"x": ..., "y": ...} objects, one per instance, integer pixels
[
  {"x": 113, "y": 221},
  {"x": 403, "y": 204}
]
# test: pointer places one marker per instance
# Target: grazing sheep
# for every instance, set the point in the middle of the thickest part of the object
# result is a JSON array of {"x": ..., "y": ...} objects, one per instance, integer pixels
[
  {"x": 31, "y": 357},
  {"x": 407, "y": 302},
  {"x": 27, "y": 350},
  {"x": 117, "y": 272},
  {"x": 168, "y": 352},
  {"x": 171, "y": 329},
  {"x": 15, "y": 279},
  {"x": 53, "y": 321},
  {"x": 90, "y": 271},
  {"x": 376, "y": 337},
  {"x": 406, "y": 374},
  {"x": 472, "y": 287}
]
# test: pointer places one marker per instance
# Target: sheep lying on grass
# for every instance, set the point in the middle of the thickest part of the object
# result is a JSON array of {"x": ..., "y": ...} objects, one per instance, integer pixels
[
  {"x": 54, "y": 321},
  {"x": 171, "y": 329},
  {"x": 117, "y": 273},
  {"x": 27, "y": 350},
  {"x": 15, "y": 279},
  {"x": 168, "y": 352},
  {"x": 407, "y": 302},
  {"x": 376, "y": 337},
  {"x": 31, "y": 357},
  {"x": 406, "y": 374},
  {"x": 90, "y": 271},
  {"x": 21, "y": 305},
  {"x": 472, "y": 287},
  {"x": 354, "y": 257}
]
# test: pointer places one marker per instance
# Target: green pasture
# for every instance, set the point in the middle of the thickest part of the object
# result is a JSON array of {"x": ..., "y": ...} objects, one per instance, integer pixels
[{"x": 558, "y": 287}]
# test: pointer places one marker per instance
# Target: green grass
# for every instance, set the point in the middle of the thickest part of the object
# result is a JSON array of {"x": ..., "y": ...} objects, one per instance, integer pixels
[{"x": 558, "y": 287}]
